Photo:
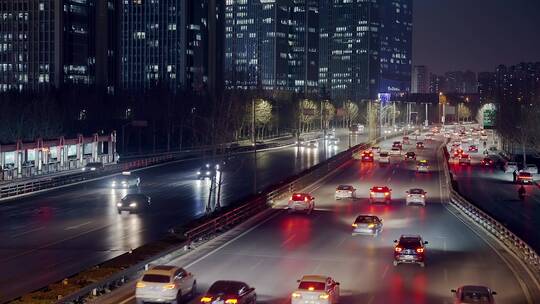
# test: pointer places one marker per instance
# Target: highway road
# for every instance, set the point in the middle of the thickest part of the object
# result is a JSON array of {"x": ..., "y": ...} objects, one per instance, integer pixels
[
  {"x": 274, "y": 253},
  {"x": 50, "y": 236},
  {"x": 493, "y": 190}
]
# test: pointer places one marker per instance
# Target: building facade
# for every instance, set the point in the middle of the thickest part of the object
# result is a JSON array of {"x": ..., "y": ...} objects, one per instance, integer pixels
[
  {"x": 272, "y": 45},
  {"x": 55, "y": 43},
  {"x": 420, "y": 82},
  {"x": 365, "y": 48},
  {"x": 153, "y": 45},
  {"x": 518, "y": 82}
]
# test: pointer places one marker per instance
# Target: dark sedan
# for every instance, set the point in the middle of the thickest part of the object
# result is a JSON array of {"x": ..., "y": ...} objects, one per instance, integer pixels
[
  {"x": 230, "y": 292},
  {"x": 133, "y": 203}
]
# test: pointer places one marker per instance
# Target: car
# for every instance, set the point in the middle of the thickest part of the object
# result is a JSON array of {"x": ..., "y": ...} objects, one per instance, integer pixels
[
  {"x": 165, "y": 284},
  {"x": 473, "y": 294},
  {"x": 92, "y": 166},
  {"x": 125, "y": 180},
  {"x": 384, "y": 158},
  {"x": 397, "y": 144},
  {"x": 376, "y": 149},
  {"x": 422, "y": 166},
  {"x": 367, "y": 156},
  {"x": 133, "y": 202},
  {"x": 207, "y": 171},
  {"x": 524, "y": 177},
  {"x": 395, "y": 151},
  {"x": 428, "y": 137},
  {"x": 406, "y": 140},
  {"x": 473, "y": 148},
  {"x": 316, "y": 289},
  {"x": 330, "y": 135},
  {"x": 464, "y": 159},
  {"x": 367, "y": 225},
  {"x": 301, "y": 202},
  {"x": 510, "y": 167},
  {"x": 487, "y": 162},
  {"x": 410, "y": 249},
  {"x": 229, "y": 292},
  {"x": 345, "y": 191},
  {"x": 420, "y": 145},
  {"x": 312, "y": 144},
  {"x": 410, "y": 155},
  {"x": 380, "y": 194},
  {"x": 531, "y": 168},
  {"x": 415, "y": 196},
  {"x": 300, "y": 142}
]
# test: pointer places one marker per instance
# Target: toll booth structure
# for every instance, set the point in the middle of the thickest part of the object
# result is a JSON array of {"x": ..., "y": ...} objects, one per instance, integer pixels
[{"x": 27, "y": 159}]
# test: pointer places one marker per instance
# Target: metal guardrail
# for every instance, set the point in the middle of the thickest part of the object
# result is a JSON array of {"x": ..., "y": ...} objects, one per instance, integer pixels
[
  {"x": 498, "y": 230},
  {"x": 223, "y": 222},
  {"x": 62, "y": 180}
]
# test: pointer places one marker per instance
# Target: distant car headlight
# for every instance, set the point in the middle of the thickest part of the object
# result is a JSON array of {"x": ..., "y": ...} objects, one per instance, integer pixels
[
  {"x": 124, "y": 182},
  {"x": 207, "y": 172},
  {"x": 119, "y": 205},
  {"x": 92, "y": 169},
  {"x": 84, "y": 169},
  {"x": 198, "y": 172},
  {"x": 133, "y": 205},
  {"x": 113, "y": 183}
]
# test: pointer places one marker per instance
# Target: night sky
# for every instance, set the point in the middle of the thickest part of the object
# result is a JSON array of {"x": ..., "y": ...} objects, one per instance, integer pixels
[{"x": 475, "y": 34}]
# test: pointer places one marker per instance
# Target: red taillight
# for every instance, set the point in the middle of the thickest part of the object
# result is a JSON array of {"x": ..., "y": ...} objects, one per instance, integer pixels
[
  {"x": 372, "y": 193},
  {"x": 398, "y": 249},
  {"x": 420, "y": 250},
  {"x": 387, "y": 193}
]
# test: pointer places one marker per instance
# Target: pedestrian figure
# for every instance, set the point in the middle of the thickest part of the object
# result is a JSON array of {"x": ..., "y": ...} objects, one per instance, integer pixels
[{"x": 515, "y": 175}]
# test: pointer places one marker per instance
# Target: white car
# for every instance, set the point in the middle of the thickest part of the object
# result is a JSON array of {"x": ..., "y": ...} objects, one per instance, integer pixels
[
  {"x": 303, "y": 202},
  {"x": 395, "y": 151},
  {"x": 532, "y": 169},
  {"x": 345, "y": 191},
  {"x": 316, "y": 289},
  {"x": 165, "y": 284},
  {"x": 510, "y": 167},
  {"x": 125, "y": 180},
  {"x": 384, "y": 158},
  {"x": 416, "y": 196}
]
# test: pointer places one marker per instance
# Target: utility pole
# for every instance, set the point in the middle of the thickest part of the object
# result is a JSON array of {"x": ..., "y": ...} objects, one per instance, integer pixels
[{"x": 253, "y": 139}]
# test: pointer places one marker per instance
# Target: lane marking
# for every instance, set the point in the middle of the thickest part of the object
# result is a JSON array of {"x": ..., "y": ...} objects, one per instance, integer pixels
[
  {"x": 288, "y": 240},
  {"x": 520, "y": 281},
  {"x": 78, "y": 226},
  {"x": 232, "y": 240},
  {"x": 26, "y": 232},
  {"x": 385, "y": 271}
]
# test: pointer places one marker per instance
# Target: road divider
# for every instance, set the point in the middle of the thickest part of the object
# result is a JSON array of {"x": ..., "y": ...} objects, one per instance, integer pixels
[{"x": 525, "y": 253}]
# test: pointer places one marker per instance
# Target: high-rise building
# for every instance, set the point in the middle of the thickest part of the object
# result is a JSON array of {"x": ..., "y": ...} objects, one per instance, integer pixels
[
  {"x": 437, "y": 84},
  {"x": 366, "y": 48},
  {"x": 52, "y": 43},
  {"x": 486, "y": 85},
  {"x": 420, "y": 80},
  {"x": 272, "y": 45},
  {"x": 396, "y": 46},
  {"x": 518, "y": 82},
  {"x": 153, "y": 45}
]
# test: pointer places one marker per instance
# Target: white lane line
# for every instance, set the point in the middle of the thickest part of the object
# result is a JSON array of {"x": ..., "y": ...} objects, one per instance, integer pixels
[
  {"x": 232, "y": 240},
  {"x": 288, "y": 240},
  {"x": 26, "y": 232},
  {"x": 385, "y": 271},
  {"x": 342, "y": 241},
  {"x": 78, "y": 226}
]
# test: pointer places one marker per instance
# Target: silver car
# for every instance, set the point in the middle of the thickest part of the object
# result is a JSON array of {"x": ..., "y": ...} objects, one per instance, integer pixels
[
  {"x": 125, "y": 180},
  {"x": 367, "y": 225},
  {"x": 165, "y": 284},
  {"x": 345, "y": 191}
]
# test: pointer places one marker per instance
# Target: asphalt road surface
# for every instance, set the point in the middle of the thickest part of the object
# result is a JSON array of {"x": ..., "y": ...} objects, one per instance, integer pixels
[
  {"x": 275, "y": 253},
  {"x": 494, "y": 192},
  {"x": 55, "y": 234}
]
